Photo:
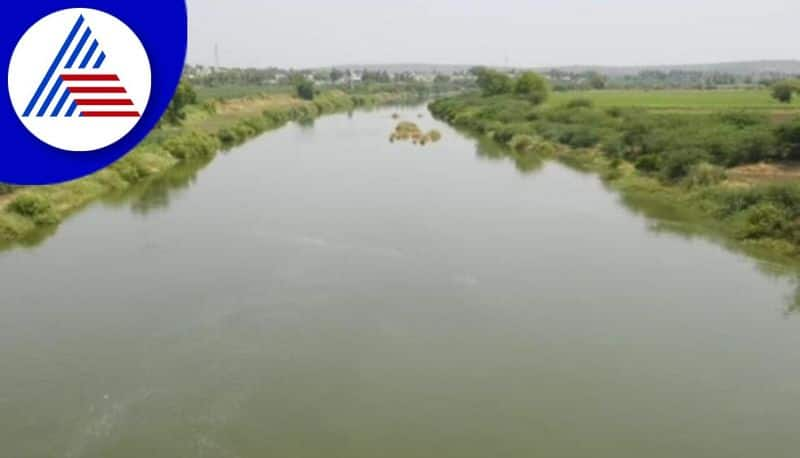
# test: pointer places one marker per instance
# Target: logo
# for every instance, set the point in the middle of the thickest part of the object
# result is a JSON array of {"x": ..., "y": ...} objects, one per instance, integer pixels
[
  {"x": 84, "y": 91},
  {"x": 87, "y": 82}
]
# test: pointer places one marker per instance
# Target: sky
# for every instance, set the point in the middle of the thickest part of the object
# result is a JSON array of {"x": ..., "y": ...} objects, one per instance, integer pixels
[{"x": 524, "y": 33}]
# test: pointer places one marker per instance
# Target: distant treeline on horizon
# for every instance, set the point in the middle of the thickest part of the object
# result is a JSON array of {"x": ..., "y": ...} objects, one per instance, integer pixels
[{"x": 703, "y": 76}]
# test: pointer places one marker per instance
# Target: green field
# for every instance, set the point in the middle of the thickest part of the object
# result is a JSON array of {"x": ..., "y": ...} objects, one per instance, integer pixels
[
  {"x": 225, "y": 92},
  {"x": 749, "y": 99}
]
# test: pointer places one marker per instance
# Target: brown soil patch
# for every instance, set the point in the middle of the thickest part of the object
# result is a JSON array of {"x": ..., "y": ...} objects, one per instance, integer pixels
[{"x": 784, "y": 171}]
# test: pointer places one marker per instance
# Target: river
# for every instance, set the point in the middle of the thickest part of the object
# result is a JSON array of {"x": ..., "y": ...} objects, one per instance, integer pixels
[{"x": 321, "y": 292}]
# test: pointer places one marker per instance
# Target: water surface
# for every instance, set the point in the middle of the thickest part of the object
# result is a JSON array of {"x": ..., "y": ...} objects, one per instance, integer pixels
[{"x": 320, "y": 292}]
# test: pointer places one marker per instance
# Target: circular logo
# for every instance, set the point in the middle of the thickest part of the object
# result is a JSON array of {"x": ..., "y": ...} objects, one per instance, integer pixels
[
  {"x": 79, "y": 79},
  {"x": 85, "y": 84}
]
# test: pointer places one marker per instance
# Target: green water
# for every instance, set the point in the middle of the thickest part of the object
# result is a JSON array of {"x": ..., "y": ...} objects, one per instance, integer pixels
[{"x": 320, "y": 292}]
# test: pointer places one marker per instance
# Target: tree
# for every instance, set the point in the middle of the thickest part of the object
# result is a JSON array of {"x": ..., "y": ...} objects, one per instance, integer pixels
[
  {"x": 441, "y": 79},
  {"x": 493, "y": 82},
  {"x": 184, "y": 96},
  {"x": 336, "y": 75},
  {"x": 597, "y": 81},
  {"x": 305, "y": 89},
  {"x": 533, "y": 86},
  {"x": 783, "y": 91}
]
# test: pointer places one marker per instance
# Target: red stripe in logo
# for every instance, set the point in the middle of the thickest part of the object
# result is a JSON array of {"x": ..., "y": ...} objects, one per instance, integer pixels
[
  {"x": 104, "y": 102},
  {"x": 90, "y": 77},
  {"x": 110, "y": 114},
  {"x": 97, "y": 90}
]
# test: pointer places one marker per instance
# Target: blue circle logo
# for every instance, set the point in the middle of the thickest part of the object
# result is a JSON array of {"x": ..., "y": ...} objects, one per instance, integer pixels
[{"x": 85, "y": 84}]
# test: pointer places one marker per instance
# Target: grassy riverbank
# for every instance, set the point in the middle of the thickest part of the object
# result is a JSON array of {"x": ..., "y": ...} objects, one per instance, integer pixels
[
  {"x": 209, "y": 127},
  {"x": 698, "y": 161}
]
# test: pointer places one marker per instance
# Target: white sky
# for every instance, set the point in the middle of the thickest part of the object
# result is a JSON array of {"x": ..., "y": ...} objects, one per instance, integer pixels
[{"x": 313, "y": 33}]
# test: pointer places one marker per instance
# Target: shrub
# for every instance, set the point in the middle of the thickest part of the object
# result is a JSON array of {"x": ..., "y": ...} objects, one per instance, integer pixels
[
  {"x": 648, "y": 163},
  {"x": 783, "y": 91},
  {"x": 580, "y": 102},
  {"x": 6, "y": 189},
  {"x": 191, "y": 145},
  {"x": 532, "y": 86},
  {"x": 35, "y": 207},
  {"x": 533, "y": 116},
  {"x": 705, "y": 174},
  {"x": 210, "y": 107},
  {"x": 678, "y": 164},
  {"x": 493, "y": 82},
  {"x": 305, "y": 89},
  {"x": 741, "y": 119},
  {"x": 749, "y": 147},
  {"x": 579, "y": 137},
  {"x": 765, "y": 220},
  {"x": 227, "y": 136},
  {"x": 127, "y": 169},
  {"x": 737, "y": 200},
  {"x": 185, "y": 95},
  {"x": 521, "y": 143},
  {"x": 435, "y": 135},
  {"x": 788, "y": 135},
  {"x": 614, "y": 147}
]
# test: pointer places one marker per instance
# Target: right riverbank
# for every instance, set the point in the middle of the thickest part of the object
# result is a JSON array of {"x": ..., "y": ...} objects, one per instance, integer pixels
[{"x": 728, "y": 170}]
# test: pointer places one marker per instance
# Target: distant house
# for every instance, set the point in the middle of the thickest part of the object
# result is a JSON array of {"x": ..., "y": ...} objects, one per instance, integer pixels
[
  {"x": 280, "y": 78},
  {"x": 354, "y": 77}
]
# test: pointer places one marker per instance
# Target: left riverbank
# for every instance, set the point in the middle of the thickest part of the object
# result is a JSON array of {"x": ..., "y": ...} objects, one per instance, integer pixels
[{"x": 208, "y": 129}]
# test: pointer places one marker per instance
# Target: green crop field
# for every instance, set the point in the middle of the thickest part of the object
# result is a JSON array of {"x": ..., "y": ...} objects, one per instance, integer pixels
[
  {"x": 233, "y": 91},
  {"x": 752, "y": 99}
]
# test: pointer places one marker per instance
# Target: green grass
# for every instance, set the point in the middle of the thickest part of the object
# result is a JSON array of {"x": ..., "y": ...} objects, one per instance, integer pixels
[
  {"x": 746, "y": 99},
  {"x": 205, "y": 93}
]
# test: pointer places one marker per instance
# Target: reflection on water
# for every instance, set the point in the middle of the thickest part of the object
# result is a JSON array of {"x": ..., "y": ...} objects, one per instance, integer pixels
[
  {"x": 155, "y": 194},
  {"x": 306, "y": 123},
  {"x": 661, "y": 216}
]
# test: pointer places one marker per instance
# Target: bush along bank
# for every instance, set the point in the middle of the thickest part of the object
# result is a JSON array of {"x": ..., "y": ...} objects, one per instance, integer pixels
[
  {"x": 208, "y": 129},
  {"x": 682, "y": 159}
]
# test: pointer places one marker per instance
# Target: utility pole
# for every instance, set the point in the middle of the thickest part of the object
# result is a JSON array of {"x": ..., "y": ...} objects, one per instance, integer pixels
[{"x": 216, "y": 55}]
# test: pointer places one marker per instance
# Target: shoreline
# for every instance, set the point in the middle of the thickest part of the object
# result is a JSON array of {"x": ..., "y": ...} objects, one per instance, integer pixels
[
  {"x": 29, "y": 213},
  {"x": 689, "y": 206}
]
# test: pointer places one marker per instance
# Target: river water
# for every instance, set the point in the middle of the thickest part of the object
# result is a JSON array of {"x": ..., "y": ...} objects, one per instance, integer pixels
[{"x": 321, "y": 292}]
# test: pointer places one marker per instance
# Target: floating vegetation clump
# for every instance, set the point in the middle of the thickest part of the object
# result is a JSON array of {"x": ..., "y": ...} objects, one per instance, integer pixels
[{"x": 409, "y": 131}]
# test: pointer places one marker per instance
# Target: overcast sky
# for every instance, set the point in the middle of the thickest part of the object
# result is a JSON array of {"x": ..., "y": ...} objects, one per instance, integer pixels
[{"x": 314, "y": 33}]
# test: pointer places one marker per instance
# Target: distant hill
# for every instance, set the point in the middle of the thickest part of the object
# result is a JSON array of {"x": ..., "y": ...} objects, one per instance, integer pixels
[{"x": 788, "y": 67}]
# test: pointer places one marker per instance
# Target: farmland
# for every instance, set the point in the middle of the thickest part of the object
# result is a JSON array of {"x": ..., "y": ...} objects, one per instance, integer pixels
[{"x": 690, "y": 100}]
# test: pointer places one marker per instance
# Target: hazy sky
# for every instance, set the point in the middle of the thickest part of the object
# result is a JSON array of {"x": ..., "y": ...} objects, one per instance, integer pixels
[{"x": 311, "y": 33}]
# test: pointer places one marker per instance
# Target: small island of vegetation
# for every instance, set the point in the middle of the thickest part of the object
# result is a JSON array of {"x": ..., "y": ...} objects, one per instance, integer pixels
[{"x": 406, "y": 130}]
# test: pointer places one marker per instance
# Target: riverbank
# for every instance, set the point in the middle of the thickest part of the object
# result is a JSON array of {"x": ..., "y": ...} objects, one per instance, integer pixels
[
  {"x": 699, "y": 167},
  {"x": 208, "y": 129}
]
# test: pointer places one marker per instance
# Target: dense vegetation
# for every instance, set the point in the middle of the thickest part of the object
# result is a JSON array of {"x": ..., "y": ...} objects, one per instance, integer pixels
[
  {"x": 185, "y": 96},
  {"x": 564, "y": 80},
  {"x": 683, "y": 100},
  {"x": 784, "y": 91},
  {"x": 659, "y": 150}
]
